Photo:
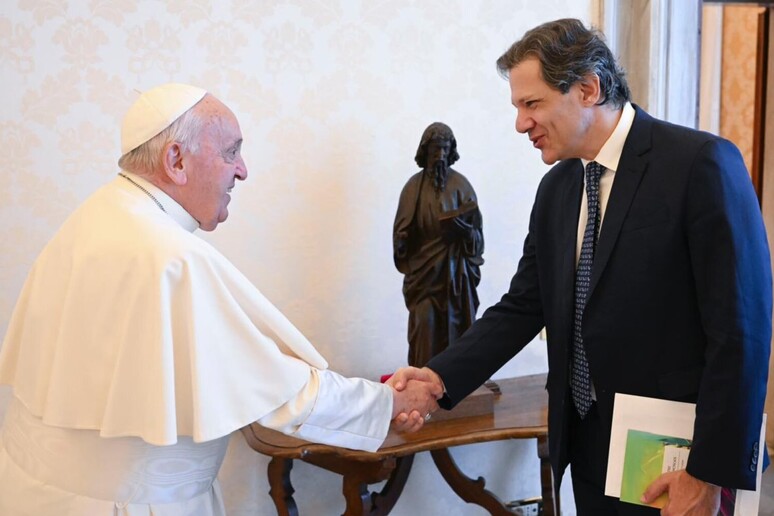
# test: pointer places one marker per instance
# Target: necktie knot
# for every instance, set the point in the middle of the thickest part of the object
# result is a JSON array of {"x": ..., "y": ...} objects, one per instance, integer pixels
[{"x": 593, "y": 173}]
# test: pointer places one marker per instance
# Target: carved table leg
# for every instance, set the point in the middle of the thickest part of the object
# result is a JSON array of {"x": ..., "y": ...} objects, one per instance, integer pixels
[
  {"x": 357, "y": 475},
  {"x": 550, "y": 495},
  {"x": 385, "y": 500},
  {"x": 357, "y": 495},
  {"x": 472, "y": 491},
  {"x": 280, "y": 488}
]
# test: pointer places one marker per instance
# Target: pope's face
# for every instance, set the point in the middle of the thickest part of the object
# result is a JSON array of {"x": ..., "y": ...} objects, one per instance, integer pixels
[
  {"x": 215, "y": 166},
  {"x": 556, "y": 122}
]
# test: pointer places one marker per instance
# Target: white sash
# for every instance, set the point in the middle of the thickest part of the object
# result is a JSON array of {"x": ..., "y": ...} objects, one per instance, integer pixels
[{"x": 121, "y": 469}]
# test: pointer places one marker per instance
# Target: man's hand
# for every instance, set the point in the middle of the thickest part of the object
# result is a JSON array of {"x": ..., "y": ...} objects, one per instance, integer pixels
[
  {"x": 402, "y": 376},
  {"x": 411, "y": 404},
  {"x": 687, "y": 495},
  {"x": 414, "y": 397}
]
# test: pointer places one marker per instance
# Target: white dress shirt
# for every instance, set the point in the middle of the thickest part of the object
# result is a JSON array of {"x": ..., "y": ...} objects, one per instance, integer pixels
[{"x": 609, "y": 156}]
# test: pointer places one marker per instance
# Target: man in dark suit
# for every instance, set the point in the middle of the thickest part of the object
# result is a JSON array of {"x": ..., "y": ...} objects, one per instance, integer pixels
[{"x": 652, "y": 278}]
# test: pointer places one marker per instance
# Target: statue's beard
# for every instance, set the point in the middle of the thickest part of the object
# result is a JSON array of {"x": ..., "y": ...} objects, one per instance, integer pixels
[{"x": 440, "y": 173}]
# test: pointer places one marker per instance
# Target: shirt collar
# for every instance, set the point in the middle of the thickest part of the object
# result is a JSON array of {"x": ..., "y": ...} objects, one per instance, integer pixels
[
  {"x": 171, "y": 207},
  {"x": 610, "y": 153}
]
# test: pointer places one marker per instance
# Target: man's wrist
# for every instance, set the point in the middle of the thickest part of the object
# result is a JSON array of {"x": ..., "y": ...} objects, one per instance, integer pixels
[{"x": 438, "y": 380}]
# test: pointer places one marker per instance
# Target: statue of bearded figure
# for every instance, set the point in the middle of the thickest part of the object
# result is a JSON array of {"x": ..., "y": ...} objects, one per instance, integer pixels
[{"x": 437, "y": 245}]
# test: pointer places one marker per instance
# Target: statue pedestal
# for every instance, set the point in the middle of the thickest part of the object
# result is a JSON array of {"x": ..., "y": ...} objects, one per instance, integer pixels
[{"x": 478, "y": 403}]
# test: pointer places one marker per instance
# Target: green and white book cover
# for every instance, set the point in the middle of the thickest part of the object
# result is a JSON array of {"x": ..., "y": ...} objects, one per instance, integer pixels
[{"x": 647, "y": 456}]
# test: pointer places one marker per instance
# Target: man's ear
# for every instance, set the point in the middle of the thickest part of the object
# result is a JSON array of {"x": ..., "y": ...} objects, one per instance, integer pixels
[
  {"x": 590, "y": 89},
  {"x": 174, "y": 166}
]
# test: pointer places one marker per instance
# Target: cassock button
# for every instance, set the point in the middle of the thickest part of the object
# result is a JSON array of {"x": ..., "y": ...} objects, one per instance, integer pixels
[{"x": 752, "y": 467}]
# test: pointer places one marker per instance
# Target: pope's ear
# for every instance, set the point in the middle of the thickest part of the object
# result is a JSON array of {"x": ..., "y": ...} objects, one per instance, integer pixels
[{"x": 174, "y": 166}]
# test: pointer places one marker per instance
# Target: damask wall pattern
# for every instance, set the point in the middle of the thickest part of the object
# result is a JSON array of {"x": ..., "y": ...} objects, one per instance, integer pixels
[
  {"x": 737, "y": 102},
  {"x": 332, "y": 97}
]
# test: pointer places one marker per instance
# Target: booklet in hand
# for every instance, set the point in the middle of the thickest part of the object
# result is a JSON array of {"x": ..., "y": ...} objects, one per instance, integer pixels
[
  {"x": 465, "y": 210},
  {"x": 652, "y": 436}
]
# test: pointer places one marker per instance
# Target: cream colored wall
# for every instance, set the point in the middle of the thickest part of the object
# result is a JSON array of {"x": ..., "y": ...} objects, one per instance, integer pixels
[{"x": 332, "y": 98}]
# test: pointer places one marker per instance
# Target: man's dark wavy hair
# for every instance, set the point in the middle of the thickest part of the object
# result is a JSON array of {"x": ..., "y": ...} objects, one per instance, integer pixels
[
  {"x": 437, "y": 131},
  {"x": 567, "y": 52}
]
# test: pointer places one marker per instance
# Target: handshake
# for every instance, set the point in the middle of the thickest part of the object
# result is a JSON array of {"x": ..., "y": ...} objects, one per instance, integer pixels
[{"x": 415, "y": 395}]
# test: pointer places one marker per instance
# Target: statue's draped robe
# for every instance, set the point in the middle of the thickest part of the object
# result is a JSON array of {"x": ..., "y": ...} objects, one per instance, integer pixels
[{"x": 441, "y": 266}]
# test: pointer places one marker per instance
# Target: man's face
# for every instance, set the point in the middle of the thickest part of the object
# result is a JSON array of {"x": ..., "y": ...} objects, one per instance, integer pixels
[
  {"x": 556, "y": 123},
  {"x": 438, "y": 152},
  {"x": 215, "y": 166}
]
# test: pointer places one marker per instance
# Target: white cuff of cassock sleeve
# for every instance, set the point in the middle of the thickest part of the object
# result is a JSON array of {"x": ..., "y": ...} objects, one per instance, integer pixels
[
  {"x": 331, "y": 409},
  {"x": 349, "y": 412}
]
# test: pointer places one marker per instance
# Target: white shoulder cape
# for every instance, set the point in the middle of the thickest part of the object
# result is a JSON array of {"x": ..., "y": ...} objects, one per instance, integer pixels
[{"x": 131, "y": 325}]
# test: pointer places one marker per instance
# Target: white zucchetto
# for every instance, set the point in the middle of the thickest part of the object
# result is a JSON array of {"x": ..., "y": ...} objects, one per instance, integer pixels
[{"x": 155, "y": 110}]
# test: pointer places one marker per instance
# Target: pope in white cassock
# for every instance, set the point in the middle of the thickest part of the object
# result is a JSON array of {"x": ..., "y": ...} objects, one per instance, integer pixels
[{"x": 136, "y": 348}]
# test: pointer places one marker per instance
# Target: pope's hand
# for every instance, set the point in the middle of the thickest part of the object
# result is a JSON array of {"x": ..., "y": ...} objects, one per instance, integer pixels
[
  {"x": 408, "y": 422},
  {"x": 415, "y": 394}
]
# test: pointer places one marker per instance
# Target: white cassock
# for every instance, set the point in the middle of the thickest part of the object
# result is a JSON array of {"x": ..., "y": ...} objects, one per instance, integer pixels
[{"x": 135, "y": 349}]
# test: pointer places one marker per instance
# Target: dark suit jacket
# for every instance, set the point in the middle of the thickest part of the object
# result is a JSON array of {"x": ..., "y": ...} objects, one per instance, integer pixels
[{"x": 680, "y": 302}]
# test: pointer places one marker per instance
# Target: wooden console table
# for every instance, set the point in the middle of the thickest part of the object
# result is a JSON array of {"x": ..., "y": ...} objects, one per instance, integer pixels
[{"x": 520, "y": 412}]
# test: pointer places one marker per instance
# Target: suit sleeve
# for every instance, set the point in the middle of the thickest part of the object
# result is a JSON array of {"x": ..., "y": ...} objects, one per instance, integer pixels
[
  {"x": 503, "y": 330},
  {"x": 732, "y": 270}
]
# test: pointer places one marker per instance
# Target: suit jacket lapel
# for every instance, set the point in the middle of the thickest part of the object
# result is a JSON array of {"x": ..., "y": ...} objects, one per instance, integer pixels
[
  {"x": 570, "y": 209},
  {"x": 631, "y": 167}
]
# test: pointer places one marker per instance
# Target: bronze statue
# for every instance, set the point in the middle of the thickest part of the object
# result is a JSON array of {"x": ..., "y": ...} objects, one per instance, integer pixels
[{"x": 437, "y": 245}]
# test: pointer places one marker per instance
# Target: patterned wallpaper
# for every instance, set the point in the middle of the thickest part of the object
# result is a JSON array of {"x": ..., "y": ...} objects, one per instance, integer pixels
[
  {"x": 332, "y": 97},
  {"x": 737, "y": 103}
]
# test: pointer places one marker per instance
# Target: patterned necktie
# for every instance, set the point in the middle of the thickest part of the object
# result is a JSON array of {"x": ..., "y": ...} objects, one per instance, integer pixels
[{"x": 580, "y": 380}]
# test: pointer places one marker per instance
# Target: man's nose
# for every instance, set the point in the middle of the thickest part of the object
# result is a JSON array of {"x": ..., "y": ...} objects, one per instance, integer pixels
[{"x": 523, "y": 123}]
